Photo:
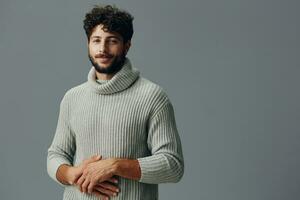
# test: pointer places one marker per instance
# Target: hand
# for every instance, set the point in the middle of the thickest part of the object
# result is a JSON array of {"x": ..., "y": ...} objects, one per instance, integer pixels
[
  {"x": 95, "y": 173},
  {"x": 106, "y": 189},
  {"x": 76, "y": 172}
]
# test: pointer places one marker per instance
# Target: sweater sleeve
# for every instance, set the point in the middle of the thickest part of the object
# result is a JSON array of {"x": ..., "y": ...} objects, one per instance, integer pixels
[
  {"x": 165, "y": 164},
  {"x": 63, "y": 147}
]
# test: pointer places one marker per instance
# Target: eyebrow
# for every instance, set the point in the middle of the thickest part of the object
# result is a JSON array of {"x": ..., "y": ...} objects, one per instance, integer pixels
[{"x": 107, "y": 37}]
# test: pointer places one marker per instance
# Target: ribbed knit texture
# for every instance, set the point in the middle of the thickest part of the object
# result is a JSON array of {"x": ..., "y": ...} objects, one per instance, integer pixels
[{"x": 125, "y": 117}]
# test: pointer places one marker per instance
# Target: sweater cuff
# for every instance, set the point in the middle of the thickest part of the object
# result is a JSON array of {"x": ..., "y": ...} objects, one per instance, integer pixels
[
  {"x": 150, "y": 168},
  {"x": 53, "y": 167}
]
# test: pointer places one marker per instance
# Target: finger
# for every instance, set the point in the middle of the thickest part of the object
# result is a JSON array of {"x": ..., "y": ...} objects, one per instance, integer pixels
[
  {"x": 76, "y": 180},
  {"x": 105, "y": 191},
  {"x": 85, "y": 185},
  {"x": 96, "y": 157},
  {"x": 80, "y": 182},
  {"x": 93, "y": 159},
  {"x": 79, "y": 188},
  {"x": 91, "y": 187},
  {"x": 109, "y": 186},
  {"x": 99, "y": 194},
  {"x": 113, "y": 180}
]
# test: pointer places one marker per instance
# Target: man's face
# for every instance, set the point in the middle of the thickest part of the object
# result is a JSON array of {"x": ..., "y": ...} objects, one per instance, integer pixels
[{"x": 107, "y": 50}]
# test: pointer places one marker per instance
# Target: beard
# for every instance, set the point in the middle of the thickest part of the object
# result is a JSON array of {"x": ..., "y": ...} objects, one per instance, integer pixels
[{"x": 113, "y": 68}]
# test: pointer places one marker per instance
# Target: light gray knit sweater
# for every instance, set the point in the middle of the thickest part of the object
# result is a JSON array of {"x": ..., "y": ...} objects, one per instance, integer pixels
[{"x": 125, "y": 117}]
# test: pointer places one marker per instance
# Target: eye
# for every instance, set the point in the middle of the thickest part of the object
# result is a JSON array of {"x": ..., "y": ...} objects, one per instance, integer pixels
[
  {"x": 113, "y": 41},
  {"x": 96, "y": 41}
]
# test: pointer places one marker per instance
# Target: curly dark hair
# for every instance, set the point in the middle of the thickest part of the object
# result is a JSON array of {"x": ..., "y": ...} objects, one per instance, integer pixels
[{"x": 113, "y": 20}]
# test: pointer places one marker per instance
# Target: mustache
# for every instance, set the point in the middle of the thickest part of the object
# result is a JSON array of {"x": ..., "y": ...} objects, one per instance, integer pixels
[{"x": 100, "y": 55}]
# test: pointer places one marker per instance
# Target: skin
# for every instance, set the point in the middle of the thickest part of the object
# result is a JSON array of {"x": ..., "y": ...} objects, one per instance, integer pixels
[
  {"x": 96, "y": 175},
  {"x": 104, "y": 170},
  {"x": 106, "y": 44},
  {"x": 69, "y": 175}
]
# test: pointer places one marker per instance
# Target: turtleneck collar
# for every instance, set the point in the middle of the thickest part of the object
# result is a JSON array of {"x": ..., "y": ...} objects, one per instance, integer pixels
[{"x": 119, "y": 82}]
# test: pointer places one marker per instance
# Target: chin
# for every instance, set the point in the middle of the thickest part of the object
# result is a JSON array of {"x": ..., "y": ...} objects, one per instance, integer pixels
[{"x": 104, "y": 65}]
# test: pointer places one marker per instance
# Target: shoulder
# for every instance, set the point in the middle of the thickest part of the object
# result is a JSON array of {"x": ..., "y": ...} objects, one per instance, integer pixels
[
  {"x": 154, "y": 93},
  {"x": 152, "y": 89},
  {"x": 74, "y": 92}
]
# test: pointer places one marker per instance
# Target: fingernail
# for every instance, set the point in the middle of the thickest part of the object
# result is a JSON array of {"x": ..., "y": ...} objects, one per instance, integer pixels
[
  {"x": 117, "y": 190},
  {"x": 115, "y": 194}
]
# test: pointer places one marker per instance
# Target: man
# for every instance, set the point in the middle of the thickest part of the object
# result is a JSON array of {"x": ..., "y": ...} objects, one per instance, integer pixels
[{"x": 116, "y": 135}]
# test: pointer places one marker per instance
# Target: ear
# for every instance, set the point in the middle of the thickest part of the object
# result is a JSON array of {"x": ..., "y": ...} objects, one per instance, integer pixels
[{"x": 127, "y": 45}]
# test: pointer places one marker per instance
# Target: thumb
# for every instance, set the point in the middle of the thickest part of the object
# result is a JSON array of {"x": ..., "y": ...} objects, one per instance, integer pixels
[
  {"x": 92, "y": 159},
  {"x": 96, "y": 157}
]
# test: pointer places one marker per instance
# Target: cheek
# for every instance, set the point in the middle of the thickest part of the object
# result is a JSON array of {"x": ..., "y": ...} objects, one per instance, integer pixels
[
  {"x": 116, "y": 48},
  {"x": 92, "y": 48},
  {"x": 117, "y": 51}
]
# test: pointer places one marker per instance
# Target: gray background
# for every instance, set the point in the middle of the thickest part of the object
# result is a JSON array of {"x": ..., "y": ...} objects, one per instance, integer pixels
[{"x": 231, "y": 69}]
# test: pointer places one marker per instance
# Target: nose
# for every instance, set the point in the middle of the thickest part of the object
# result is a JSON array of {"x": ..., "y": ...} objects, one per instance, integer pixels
[{"x": 102, "y": 47}]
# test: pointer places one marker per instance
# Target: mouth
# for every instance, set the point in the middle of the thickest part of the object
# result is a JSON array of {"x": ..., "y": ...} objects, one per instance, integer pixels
[{"x": 103, "y": 59}]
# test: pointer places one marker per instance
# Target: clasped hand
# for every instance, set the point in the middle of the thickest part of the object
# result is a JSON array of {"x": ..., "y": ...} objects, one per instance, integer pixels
[{"x": 96, "y": 176}]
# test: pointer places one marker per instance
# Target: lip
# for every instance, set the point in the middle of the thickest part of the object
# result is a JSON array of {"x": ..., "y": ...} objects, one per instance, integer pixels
[{"x": 104, "y": 59}]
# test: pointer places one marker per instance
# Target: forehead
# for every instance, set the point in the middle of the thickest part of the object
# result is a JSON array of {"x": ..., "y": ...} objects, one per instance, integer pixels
[{"x": 99, "y": 31}]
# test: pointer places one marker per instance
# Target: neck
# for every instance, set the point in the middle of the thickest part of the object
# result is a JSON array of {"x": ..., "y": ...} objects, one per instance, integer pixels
[
  {"x": 119, "y": 82},
  {"x": 103, "y": 76}
]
